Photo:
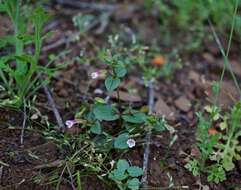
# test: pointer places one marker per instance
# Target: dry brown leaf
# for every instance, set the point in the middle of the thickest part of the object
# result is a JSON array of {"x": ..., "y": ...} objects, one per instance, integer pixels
[
  {"x": 183, "y": 104},
  {"x": 127, "y": 97},
  {"x": 162, "y": 108}
]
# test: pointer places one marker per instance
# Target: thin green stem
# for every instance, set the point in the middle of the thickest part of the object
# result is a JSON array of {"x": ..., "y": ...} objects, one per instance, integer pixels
[
  {"x": 232, "y": 28},
  {"x": 225, "y": 55}
]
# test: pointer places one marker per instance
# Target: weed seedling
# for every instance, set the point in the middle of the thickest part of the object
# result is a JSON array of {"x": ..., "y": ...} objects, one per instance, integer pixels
[
  {"x": 219, "y": 146},
  {"x": 106, "y": 130}
]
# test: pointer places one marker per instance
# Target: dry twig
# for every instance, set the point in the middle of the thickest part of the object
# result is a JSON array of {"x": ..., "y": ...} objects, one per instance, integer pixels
[
  {"x": 24, "y": 123},
  {"x": 148, "y": 136},
  {"x": 54, "y": 108},
  {"x": 87, "y": 5}
]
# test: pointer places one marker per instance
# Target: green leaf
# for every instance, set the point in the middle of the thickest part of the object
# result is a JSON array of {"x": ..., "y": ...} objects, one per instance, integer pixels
[
  {"x": 134, "y": 117},
  {"x": 39, "y": 17},
  {"x": 103, "y": 143},
  {"x": 25, "y": 58},
  {"x": 120, "y": 70},
  {"x": 6, "y": 40},
  {"x": 2, "y": 8},
  {"x": 26, "y": 38},
  {"x": 100, "y": 100},
  {"x": 236, "y": 116},
  {"x": 160, "y": 124},
  {"x": 23, "y": 69},
  {"x": 122, "y": 165},
  {"x": 135, "y": 171},
  {"x": 121, "y": 141},
  {"x": 216, "y": 174},
  {"x": 133, "y": 184},
  {"x": 112, "y": 83},
  {"x": 193, "y": 166},
  {"x": 96, "y": 128},
  {"x": 227, "y": 163},
  {"x": 117, "y": 175},
  {"x": 105, "y": 112}
]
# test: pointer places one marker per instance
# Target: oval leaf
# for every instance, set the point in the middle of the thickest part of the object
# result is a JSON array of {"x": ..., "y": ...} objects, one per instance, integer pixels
[
  {"x": 122, "y": 165},
  {"x": 112, "y": 83},
  {"x": 120, "y": 141},
  {"x": 135, "y": 171},
  {"x": 105, "y": 112},
  {"x": 133, "y": 184}
]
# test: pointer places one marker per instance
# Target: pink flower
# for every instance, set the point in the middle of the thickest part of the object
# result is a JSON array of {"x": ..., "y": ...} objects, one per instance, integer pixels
[{"x": 98, "y": 74}]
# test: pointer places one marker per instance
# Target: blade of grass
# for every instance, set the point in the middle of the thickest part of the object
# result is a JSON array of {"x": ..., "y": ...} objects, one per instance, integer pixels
[
  {"x": 6, "y": 82},
  {"x": 79, "y": 186}
]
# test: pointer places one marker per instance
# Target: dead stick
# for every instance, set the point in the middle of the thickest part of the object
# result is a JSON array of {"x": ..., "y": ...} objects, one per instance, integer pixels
[
  {"x": 54, "y": 108},
  {"x": 73, "y": 37},
  {"x": 24, "y": 123},
  {"x": 71, "y": 177},
  {"x": 87, "y": 5},
  {"x": 148, "y": 137},
  {"x": 56, "y": 44}
]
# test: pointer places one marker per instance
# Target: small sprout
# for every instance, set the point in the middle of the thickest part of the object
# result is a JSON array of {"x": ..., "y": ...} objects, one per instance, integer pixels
[
  {"x": 159, "y": 60},
  {"x": 131, "y": 143}
]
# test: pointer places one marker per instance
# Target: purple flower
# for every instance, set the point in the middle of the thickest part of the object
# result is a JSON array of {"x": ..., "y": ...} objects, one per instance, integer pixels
[{"x": 70, "y": 123}]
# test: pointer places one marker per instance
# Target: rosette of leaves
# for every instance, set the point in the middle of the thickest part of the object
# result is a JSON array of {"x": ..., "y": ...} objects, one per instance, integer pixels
[{"x": 126, "y": 176}]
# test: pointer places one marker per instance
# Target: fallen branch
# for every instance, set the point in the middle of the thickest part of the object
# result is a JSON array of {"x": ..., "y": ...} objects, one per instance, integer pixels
[
  {"x": 56, "y": 44},
  {"x": 42, "y": 146},
  {"x": 66, "y": 40},
  {"x": 148, "y": 137},
  {"x": 86, "y": 5},
  {"x": 54, "y": 108},
  {"x": 55, "y": 163}
]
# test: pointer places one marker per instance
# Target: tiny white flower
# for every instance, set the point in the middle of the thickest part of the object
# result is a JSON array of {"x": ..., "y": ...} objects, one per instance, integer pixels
[
  {"x": 112, "y": 162},
  {"x": 98, "y": 91},
  {"x": 131, "y": 143},
  {"x": 94, "y": 75},
  {"x": 103, "y": 175}
]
